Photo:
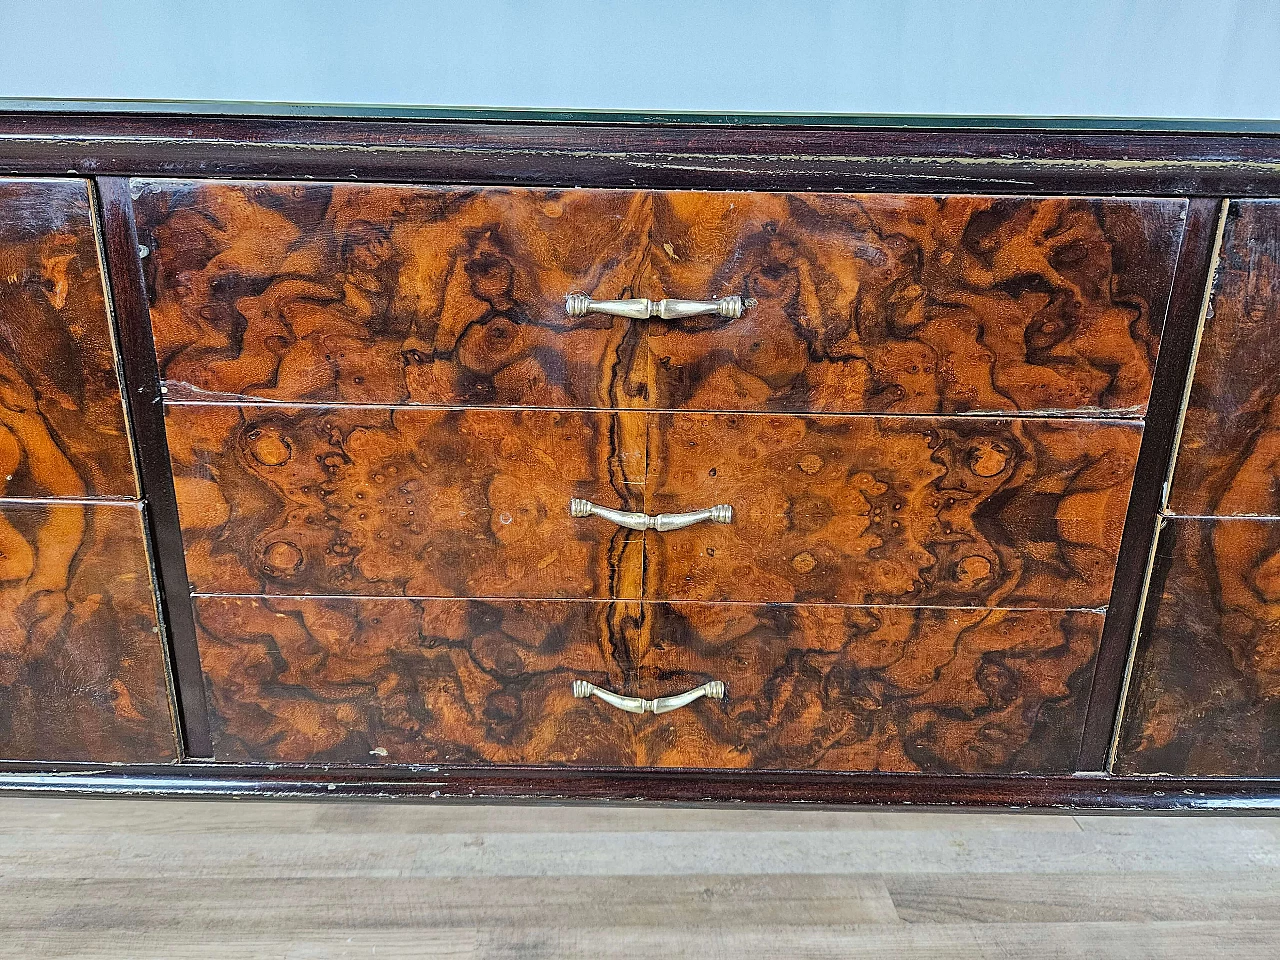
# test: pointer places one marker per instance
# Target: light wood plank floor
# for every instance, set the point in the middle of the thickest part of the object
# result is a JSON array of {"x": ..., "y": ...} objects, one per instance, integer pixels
[{"x": 184, "y": 879}]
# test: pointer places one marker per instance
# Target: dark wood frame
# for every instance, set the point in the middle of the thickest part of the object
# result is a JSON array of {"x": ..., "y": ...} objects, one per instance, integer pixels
[
  {"x": 1159, "y": 440},
  {"x": 141, "y": 386},
  {"x": 111, "y": 146},
  {"x": 560, "y": 785},
  {"x": 654, "y": 154}
]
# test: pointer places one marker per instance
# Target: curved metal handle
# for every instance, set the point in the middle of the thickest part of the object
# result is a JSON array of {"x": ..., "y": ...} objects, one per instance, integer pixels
[
  {"x": 581, "y": 688},
  {"x": 579, "y": 305},
  {"x": 720, "y": 513}
]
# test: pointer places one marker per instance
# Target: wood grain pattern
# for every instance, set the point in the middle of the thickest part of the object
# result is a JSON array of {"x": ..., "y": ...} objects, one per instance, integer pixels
[
  {"x": 417, "y": 502},
  {"x": 1204, "y": 697},
  {"x": 388, "y": 294},
  {"x": 911, "y": 304},
  {"x": 1161, "y": 425},
  {"x": 1229, "y": 456},
  {"x": 824, "y": 688},
  {"x": 405, "y": 501},
  {"x": 455, "y": 295},
  {"x": 82, "y": 673},
  {"x": 62, "y": 425},
  {"x": 948, "y": 512}
]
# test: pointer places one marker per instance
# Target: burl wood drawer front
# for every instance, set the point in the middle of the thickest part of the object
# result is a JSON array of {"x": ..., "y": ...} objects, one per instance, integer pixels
[
  {"x": 1229, "y": 454},
  {"x": 82, "y": 671},
  {"x": 410, "y": 501},
  {"x": 437, "y": 295},
  {"x": 405, "y": 501},
  {"x": 977, "y": 512},
  {"x": 1204, "y": 697},
  {"x": 807, "y": 688},
  {"x": 62, "y": 425}
]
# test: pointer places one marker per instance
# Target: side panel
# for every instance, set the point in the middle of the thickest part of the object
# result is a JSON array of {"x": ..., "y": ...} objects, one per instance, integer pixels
[
  {"x": 82, "y": 662},
  {"x": 1204, "y": 699},
  {"x": 82, "y": 673}
]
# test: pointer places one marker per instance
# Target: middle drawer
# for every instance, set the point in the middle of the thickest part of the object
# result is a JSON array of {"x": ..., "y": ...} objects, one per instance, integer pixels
[{"x": 416, "y": 502}]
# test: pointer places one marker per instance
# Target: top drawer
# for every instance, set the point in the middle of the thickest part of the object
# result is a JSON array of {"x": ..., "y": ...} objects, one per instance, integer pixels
[{"x": 439, "y": 295}]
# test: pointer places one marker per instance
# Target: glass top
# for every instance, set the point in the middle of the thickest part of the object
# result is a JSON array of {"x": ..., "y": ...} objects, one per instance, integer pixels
[{"x": 214, "y": 108}]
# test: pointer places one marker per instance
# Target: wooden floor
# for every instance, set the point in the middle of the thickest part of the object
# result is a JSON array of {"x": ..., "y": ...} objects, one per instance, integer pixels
[{"x": 184, "y": 879}]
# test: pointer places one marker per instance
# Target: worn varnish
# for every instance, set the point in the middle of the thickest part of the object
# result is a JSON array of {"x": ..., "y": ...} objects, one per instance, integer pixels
[
  {"x": 1229, "y": 457},
  {"x": 435, "y": 295},
  {"x": 468, "y": 681},
  {"x": 1204, "y": 698},
  {"x": 62, "y": 426},
  {"x": 940, "y": 511},
  {"x": 82, "y": 673},
  {"x": 407, "y": 501}
]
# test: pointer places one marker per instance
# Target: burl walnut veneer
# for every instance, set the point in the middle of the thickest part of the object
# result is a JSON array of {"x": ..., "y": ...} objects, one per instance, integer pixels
[
  {"x": 809, "y": 687},
  {"x": 1205, "y": 691},
  {"x": 82, "y": 663},
  {"x": 684, "y": 458},
  {"x": 431, "y": 295},
  {"x": 924, "y": 413}
]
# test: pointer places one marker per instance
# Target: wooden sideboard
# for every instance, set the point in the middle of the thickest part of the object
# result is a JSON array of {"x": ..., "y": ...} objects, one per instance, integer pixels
[{"x": 662, "y": 460}]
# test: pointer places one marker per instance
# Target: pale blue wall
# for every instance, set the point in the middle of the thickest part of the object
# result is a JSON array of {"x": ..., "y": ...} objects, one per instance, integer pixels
[{"x": 1160, "y": 58}]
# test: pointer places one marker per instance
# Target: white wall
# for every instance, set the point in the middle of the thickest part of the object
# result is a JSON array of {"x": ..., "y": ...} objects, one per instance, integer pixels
[{"x": 1153, "y": 58}]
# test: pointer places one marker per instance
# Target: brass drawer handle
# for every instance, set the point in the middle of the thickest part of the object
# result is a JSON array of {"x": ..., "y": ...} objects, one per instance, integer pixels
[
  {"x": 579, "y": 305},
  {"x": 720, "y": 513},
  {"x": 581, "y": 688}
]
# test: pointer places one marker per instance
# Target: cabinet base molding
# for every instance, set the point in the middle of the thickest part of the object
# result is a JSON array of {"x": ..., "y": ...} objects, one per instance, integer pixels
[{"x": 421, "y": 784}]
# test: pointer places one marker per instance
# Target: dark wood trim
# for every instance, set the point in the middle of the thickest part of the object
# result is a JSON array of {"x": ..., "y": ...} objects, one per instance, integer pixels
[
  {"x": 669, "y": 155},
  {"x": 558, "y": 785},
  {"x": 146, "y": 415},
  {"x": 1177, "y": 344}
]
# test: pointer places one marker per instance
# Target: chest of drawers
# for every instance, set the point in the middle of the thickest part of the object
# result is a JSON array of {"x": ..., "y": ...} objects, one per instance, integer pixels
[{"x": 837, "y": 480}]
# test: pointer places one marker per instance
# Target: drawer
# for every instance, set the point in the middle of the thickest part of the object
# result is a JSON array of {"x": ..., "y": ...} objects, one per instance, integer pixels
[
  {"x": 1229, "y": 452},
  {"x": 405, "y": 501},
  {"x": 62, "y": 423},
  {"x": 806, "y": 688},
  {"x": 979, "y": 512},
  {"x": 408, "y": 501},
  {"x": 82, "y": 663},
  {"x": 442, "y": 295},
  {"x": 1204, "y": 695}
]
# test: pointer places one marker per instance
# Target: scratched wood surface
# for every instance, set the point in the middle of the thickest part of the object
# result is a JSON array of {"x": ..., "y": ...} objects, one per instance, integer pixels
[
  {"x": 434, "y": 295},
  {"x": 830, "y": 688},
  {"x": 950, "y": 512},
  {"x": 405, "y": 501},
  {"x": 62, "y": 426},
  {"x": 1205, "y": 693},
  {"x": 1229, "y": 456},
  {"x": 82, "y": 673}
]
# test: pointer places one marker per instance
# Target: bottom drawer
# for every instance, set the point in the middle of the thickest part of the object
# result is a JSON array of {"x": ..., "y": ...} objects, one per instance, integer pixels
[{"x": 806, "y": 687}]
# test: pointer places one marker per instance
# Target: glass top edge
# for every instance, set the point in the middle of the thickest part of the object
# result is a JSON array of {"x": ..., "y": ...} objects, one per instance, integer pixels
[{"x": 319, "y": 111}]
